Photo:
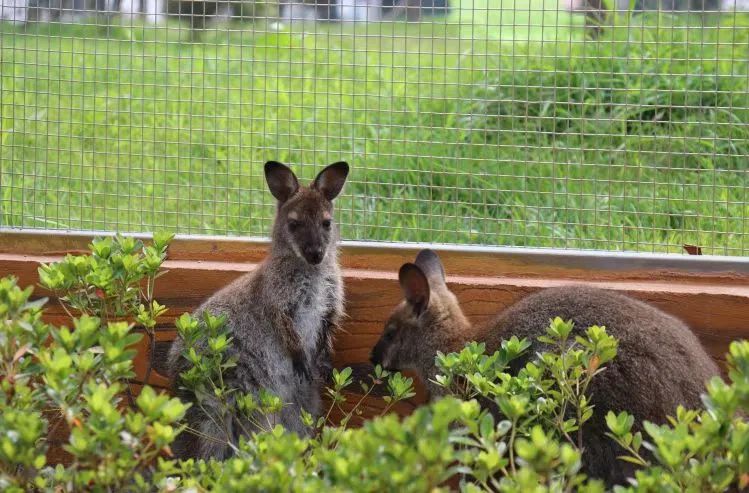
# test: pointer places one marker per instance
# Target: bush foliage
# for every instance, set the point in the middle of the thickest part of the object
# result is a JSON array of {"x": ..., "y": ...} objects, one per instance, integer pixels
[{"x": 77, "y": 383}]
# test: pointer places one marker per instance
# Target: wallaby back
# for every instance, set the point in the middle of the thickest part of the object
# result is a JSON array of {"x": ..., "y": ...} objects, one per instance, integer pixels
[
  {"x": 282, "y": 317},
  {"x": 660, "y": 364}
]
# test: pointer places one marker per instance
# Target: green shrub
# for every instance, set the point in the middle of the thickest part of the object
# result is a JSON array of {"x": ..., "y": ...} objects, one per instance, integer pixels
[
  {"x": 699, "y": 450},
  {"x": 77, "y": 379},
  {"x": 56, "y": 377}
]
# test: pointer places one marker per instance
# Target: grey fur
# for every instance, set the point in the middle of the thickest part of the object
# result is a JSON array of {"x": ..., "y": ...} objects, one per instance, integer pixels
[
  {"x": 660, "y": 363},
  {"x": 282, "y": 316}
]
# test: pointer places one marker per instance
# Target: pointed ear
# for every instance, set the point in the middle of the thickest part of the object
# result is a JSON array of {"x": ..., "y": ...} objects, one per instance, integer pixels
[
  {"x": 329, "y": 182},
  {"x": 415, "y": 287},
  {"x": 281, "y": 180},
  {"x": 429, "y": 262}
]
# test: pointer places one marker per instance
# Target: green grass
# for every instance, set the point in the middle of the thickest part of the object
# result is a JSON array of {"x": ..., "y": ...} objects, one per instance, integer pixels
[{"x": 456, "y": 133}]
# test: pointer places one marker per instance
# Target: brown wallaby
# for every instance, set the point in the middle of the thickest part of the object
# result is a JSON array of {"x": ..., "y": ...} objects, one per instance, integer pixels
[
  {"x": 282, "y": 315},
  {"x": 659, "y": 364}
]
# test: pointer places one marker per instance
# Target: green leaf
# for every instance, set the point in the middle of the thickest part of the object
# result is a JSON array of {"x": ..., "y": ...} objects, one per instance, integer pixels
[
  {"x": 161, "y": 240},
  {"x": 486, "y": 426}
]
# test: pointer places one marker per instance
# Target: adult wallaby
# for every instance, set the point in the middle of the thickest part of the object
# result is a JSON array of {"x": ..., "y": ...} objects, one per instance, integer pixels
[
  {"x": 282, "y": 315},
  {"x": 659, "y": 364}
]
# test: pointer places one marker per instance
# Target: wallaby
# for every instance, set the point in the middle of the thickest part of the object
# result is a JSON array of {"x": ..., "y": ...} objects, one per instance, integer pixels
[
  {"x": 282, "y": 315},
  {"x": 659, "y": 364}
]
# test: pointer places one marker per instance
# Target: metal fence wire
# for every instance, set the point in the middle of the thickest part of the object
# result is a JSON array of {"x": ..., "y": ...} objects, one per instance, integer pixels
[{"x": 585, "y": 124}]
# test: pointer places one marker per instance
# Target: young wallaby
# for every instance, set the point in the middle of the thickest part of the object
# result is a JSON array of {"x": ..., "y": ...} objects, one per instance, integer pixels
[
  {"x": 659, "y": 364},
  {"x": 282, "y": 315}
]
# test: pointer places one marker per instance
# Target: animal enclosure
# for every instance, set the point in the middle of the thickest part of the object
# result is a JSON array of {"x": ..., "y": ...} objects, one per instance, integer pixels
[
  {"x": 498, "y": 124},
  {"x": 537, "y": 142}
]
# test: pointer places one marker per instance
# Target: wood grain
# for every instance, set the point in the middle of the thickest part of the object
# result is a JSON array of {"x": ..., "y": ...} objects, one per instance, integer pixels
[{"x": 388, "y": 257}]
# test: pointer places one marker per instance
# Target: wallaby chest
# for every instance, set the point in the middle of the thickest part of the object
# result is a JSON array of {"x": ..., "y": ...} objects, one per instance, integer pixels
[{"x": 315, "y": 298}]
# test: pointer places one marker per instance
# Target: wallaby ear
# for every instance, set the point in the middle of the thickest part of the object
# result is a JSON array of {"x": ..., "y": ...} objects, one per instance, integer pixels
[
  {"x": 429, "y": 262},
  {"x": 415, "y": 287},
  {"x": 281, "y": 180},
  {"x": 329, "y": 182}
]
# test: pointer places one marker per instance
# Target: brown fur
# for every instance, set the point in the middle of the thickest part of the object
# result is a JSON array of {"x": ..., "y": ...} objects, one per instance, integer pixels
[
  {"x": 282, "y": 316},
  {"x": 660, "y": 363}
]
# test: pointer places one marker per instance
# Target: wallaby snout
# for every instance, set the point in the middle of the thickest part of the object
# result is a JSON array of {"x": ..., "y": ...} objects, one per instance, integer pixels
[
  {"x": 310, "y": 237},
  {"x": 382, "y": 355},
  {"x": 314, "y": 255},
  {"x": 377, "y": 354},
  {"x": 313, "y": 252}
]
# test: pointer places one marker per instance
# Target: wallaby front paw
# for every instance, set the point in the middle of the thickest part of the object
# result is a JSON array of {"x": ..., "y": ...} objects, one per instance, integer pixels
[
  {"x": 325, "y": 370},
  {"x": 300, "y": 367}
]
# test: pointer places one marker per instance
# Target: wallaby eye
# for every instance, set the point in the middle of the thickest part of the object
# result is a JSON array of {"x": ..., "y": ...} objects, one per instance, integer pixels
[
  {"x": 389, "y": 335},
  {"x": 293, "y": 225},
  {"x": 326, "y": 223}
]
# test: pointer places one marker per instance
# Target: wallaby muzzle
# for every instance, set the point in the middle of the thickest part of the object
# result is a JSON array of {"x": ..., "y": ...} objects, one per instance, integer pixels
[
  {"x": 377, "y": 356},
  {"x": 313, "y": 255}
]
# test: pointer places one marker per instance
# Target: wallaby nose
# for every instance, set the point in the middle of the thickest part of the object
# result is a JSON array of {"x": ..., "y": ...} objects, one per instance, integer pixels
[
  {"x": 374, "y": 356},
  {"x": 314, "y": 255}
]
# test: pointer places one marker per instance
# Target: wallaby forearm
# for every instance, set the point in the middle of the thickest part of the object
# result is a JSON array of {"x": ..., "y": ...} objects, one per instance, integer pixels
[
  {"x": 324, "y": 353},
  {"x": 293, "y": 344}
]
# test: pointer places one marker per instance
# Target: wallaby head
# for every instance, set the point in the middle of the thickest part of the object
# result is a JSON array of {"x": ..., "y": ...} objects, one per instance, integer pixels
[
  {"x": 428, "y": 320},
  {"x": 304, "y": 219}
]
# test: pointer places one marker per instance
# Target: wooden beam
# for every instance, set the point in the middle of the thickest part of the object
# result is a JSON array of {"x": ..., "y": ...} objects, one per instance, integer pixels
[{"x": 460, "y": 260}]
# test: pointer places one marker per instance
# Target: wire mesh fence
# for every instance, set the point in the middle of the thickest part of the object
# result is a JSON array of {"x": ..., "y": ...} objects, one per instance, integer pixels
[{"x": 576, "y": 124}]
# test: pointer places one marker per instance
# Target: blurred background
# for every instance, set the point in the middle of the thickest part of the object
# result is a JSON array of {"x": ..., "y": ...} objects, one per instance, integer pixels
[{"x": 616, "y": 125}]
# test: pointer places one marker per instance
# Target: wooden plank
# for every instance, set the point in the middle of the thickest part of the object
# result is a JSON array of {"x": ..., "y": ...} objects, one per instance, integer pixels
[{"x": 388, "y": 257}]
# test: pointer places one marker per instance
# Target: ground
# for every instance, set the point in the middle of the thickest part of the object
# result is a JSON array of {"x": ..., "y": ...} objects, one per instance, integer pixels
[{"x": 497, "y": 129}]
